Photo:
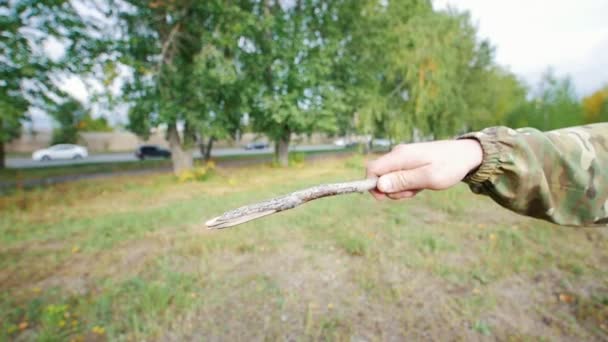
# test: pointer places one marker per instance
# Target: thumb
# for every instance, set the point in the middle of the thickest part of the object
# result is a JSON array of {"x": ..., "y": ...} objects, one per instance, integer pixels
[{"x": 414, "y": 179}]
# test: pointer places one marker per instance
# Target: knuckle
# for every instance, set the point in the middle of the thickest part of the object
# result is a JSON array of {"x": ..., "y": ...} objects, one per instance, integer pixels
[{"x": 401, "y": 180}]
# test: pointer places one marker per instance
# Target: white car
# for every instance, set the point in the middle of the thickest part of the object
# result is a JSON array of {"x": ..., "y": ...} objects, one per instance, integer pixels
[
  {"x": 61, "y": 151},
  {"x": 381, "y": 142},
  {"x": 344, "y": 143}
]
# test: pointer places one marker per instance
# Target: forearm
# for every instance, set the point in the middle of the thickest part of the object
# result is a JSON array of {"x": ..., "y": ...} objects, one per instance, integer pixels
[{"x": 560, "y": 176}]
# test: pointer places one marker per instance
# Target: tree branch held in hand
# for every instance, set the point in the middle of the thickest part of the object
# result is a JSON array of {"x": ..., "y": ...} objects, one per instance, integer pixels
[{"x": 289, "y": 201}]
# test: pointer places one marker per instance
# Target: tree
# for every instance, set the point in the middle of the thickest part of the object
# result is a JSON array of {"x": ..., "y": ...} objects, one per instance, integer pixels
[
  {"x": 595, "y": 106},
  {"x": 492, "y": 97},
  {"x": 89, "y": 124},
  {"x": 424, "y": 74},
  {"x": 220, "y": 87},
  {"x": 69, "y": 115},
  {"x": 289, "y": 55},
  {"x": 28, "y": 74},
  {"x": 553, "y": 105},
  {"x": 166, "y": 44}
]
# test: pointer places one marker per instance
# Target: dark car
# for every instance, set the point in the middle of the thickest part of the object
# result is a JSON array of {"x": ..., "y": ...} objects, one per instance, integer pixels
[
  {"x": 257, "y": 145},
  {"x": 151, "y": 151}
]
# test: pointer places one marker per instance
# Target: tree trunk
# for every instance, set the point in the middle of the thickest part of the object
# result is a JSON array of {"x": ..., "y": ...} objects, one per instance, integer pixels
[
  {"x": 2, "y": 155},
  {"x": 207, "y": 154},
  {"x": 281, "y": 150},
  {"x": 201, "y": 147},
  {"x": 180, "y": 158}
]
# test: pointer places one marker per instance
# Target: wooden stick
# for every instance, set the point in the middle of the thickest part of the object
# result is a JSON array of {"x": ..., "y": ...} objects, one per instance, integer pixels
[{"x": 289, "y": 201}]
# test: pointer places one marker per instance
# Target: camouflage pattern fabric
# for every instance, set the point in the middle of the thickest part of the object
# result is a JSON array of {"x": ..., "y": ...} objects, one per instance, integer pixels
[{"x": 559, "y": 176}]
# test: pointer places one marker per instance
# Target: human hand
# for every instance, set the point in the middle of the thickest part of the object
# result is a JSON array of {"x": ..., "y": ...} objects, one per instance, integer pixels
[{"x": 437, "y": 165}]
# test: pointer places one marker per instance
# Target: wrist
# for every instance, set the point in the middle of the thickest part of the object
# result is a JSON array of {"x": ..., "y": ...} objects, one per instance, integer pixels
[{"x": 472, "y": 153}]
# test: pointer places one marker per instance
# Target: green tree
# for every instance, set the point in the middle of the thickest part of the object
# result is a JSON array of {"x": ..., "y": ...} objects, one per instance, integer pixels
[
  {"x": 553, "y": 105},
  {"x": 90, "y": 124},
  {"x": 220, "y": 87},
  {"x": 290, "y": 51},
  {"x": 492, "y": 97},
  {"x": 170, "y": 45},
  {"x": 425, "y": 74},
  {"x": 69, "y": 115},
  {"x": 26, "y": 72}
]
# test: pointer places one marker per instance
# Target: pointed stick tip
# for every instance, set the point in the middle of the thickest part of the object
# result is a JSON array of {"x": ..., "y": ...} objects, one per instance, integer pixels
[{"x": 211, "y": 223}]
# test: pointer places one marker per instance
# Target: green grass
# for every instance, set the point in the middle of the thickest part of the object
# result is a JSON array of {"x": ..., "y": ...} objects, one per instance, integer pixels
[
  {"x": 17, "y": 175},
  {"x": 129, "y": 259}
]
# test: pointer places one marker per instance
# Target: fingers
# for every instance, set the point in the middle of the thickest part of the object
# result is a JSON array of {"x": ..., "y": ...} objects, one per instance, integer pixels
[
  {"x": 377, "y": 194},
  {"x": 402, "y": 157},
  {"x": 403, "y": 194},
  {"x": 405, "y": 180}
]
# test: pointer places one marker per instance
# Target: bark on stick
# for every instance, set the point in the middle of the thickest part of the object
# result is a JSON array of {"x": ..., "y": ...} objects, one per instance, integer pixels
[{"x": 289, "y": 201}]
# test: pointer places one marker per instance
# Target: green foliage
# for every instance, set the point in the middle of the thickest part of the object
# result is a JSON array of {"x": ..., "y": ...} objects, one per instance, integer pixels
[
  {"x": 89, "y": 124},
  {"x": 69, "y": 116},
  {"x": 27, "y": 70},
  {"x": 290, "y": 54},
  {"x": 55, "y": 323},
  {"x": 397, "y": 69},
  {"x": 492, "y": 97},
  {"x": 183, "y": 59},
  {"x": 420, "y": 73},
  {"x": 554, "y": 105}
]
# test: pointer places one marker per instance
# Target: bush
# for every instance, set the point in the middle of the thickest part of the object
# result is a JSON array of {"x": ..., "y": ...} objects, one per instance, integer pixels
[
  {"x": 199, "y": 173},
  {"x": 296, "y": 159}
]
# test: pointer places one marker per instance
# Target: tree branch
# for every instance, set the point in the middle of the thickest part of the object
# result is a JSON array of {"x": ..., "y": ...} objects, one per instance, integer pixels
[
  {"x": 165, "y": 57},
  {"x": 289, "y": 201}
]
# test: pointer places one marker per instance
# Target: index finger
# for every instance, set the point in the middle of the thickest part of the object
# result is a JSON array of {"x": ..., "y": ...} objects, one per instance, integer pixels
[{"x": 402, "y": 157}]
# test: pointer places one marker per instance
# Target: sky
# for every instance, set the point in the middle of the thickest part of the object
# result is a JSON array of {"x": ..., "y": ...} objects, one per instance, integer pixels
[{"x": 531, "y": 35}]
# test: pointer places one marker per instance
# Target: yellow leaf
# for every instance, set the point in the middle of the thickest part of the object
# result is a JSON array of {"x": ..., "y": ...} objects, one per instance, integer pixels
[
  {"x": 566, "y": 298},
  {"x": 98, "y": 330}
]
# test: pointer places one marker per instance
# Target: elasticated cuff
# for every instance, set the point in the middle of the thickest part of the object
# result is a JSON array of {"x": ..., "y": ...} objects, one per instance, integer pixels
[{"x": 492, "y": 152}]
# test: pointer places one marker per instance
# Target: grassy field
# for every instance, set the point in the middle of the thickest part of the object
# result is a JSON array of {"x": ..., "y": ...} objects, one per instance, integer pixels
[
  {"x": 130, "y": 259},
  {"x": 20, "y": 175}
]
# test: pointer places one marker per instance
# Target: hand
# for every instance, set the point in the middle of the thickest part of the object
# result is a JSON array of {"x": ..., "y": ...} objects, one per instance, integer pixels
[{"x": 437, "y": 165}]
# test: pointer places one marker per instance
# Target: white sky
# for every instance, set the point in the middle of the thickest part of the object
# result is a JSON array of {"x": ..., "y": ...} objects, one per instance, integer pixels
[{"x": 529, "y": 36}]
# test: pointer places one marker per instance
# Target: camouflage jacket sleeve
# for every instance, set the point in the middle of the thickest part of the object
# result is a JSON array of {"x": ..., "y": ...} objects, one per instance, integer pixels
[{"x": 559, "y": 176}]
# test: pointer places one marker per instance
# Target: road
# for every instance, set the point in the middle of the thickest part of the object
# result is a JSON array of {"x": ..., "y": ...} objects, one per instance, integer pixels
[{"x": 22, "y": 162}]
